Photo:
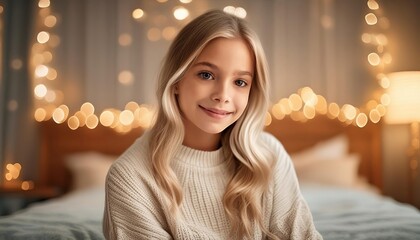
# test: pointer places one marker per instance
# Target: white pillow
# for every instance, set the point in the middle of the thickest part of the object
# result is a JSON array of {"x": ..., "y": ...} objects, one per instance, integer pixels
[
  {"x": 330, "y": 171},
  {"x": 335, "y": 147},
  {"x": 88, "y": 169}
]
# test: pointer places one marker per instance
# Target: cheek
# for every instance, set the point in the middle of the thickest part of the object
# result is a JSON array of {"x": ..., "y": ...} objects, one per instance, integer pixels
[{"x": 241, "y": 103}]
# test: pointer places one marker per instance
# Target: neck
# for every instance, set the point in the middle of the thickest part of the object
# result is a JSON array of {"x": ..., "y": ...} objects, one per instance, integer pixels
[{"x": 201, "y": 141}]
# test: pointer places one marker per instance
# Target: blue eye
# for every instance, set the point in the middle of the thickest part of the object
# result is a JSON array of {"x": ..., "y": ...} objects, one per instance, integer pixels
[
  {"x": 205, "y": 75},
  {"x": 240, "y": 83}
]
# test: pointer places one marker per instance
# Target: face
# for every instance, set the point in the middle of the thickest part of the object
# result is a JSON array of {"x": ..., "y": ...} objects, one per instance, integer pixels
[{"x": 214, "y": 91}]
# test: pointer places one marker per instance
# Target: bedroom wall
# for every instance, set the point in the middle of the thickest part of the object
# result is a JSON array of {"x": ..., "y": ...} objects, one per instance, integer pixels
[{"x": 404, "y": 37}]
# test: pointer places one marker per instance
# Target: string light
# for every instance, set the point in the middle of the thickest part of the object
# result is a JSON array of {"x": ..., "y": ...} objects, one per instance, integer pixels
[
  {"x": 303, "y": 105},
  {"x": 372, "y": 111}
]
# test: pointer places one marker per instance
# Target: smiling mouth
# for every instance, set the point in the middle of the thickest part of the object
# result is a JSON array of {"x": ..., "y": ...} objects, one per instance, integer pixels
[{"x": 215, "y": 112}]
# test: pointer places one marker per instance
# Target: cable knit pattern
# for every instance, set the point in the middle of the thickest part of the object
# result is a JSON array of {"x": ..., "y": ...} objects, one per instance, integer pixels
[{"x": 134, "y": 206}]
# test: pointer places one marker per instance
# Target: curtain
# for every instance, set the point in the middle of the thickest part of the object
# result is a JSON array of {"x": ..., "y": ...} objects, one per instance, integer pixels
[
  {"x": 17, "y": 128},
  {"x": 108, "y": 58}
]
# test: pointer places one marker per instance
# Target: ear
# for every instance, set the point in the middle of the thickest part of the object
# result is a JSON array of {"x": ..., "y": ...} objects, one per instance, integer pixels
[{"x": 176, "y": 89}]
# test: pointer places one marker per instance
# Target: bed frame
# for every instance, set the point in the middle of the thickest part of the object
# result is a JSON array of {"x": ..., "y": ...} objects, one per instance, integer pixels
[{"x": 58, "y": 140}]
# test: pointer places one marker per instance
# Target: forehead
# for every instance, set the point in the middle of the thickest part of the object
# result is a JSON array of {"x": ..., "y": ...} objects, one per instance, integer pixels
[{"x": 231, "y": 53}]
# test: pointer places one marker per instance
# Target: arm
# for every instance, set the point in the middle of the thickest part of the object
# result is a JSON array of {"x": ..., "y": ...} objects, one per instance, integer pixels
[{"x": 131, "y": 210}]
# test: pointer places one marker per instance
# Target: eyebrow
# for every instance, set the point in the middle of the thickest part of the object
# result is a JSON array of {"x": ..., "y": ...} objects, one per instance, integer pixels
[{"x": 211, "y": 65}]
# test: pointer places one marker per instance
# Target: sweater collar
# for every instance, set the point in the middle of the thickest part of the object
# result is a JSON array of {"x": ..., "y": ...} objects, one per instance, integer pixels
[{"x": 199, "y": 158}]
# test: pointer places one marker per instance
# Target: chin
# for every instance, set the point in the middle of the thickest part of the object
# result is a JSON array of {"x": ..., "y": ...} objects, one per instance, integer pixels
[{"x": 214, "y": 129}]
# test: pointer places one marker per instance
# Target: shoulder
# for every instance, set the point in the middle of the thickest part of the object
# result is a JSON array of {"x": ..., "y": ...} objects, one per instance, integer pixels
[
  {"x": 281, "y": 159},
  {"x": 271, "y": 143},
  {"x": 133, "y": 162}
]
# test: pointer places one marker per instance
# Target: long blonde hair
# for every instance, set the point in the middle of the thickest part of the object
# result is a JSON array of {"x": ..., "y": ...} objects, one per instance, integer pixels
[{"x": 244, "y": 193}]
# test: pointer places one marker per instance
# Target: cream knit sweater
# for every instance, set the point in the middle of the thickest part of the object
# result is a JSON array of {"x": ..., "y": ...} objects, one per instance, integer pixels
[{"x": 134, "y": 206}]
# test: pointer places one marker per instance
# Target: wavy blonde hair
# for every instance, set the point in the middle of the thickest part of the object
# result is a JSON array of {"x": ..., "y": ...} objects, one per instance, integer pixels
[{"x": 244, "y": 193}]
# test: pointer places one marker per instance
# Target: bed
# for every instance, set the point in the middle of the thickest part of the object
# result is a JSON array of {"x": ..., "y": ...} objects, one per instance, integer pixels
[{"x": 338, "y": 166}]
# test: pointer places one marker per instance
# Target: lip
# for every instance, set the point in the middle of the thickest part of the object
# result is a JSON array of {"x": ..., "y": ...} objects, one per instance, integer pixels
[{"x": 215, "y": 113}]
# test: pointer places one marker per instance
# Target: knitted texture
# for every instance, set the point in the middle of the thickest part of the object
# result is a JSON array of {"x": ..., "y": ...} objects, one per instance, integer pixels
[{"x": 135, "y": 208}]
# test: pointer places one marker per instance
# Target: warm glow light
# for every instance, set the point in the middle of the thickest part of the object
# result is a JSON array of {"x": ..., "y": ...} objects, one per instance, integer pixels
[
  {"x": 349, "y": 111},
  {"x": 50, "y": 21},
  {"x": 300, "y": 106},
  {"x": 27, "y": 185},
  {"x": 132, "y": 106},
  {"x": 385, "y": 99},
  {"x": 374, "y": 59},
  {"x": 277, "y": 113},
  {"x": 169, "y": 33},
  {"x": 40, "y": 114},
  {"x": 374, "y": 116},
  {"x": 372, "y": 4},
  {"x": 8, "y": 176},
  {"x": 126, "y": 77},
  {"x": 138, "y": 13},
  {"x": 92, "y": 121},
  {"x": 59, "y": 115},
  {"x": 13, "y": 171},
  {"x": 43, "y": 37},
  {"x": 333, "y": 110},
  {"x": 106, "y": 118},
  {"x": 73, "y": 122},
  {"x": 44, "y": 3},
  {"x": 41, "y": 71},
  {"x": 371, "y": 19},
  {"x": 309, "y": 112},
  {"x": 384, "y": 82},
  {"x": 285, "y": 106},
  {"x": 404, "y": 93},
  {"x": 381, "y": 109},
  {"x": 40, "y": 90},
  {"x": 126, "y": 117},
  {"x": 181, "y": 13},
  {"x": 366, "y": 38},
  {"x": 308, "y": 96},
  {"x": 144, "y": 116},
  {"x": 237, "y": 11},
  {"x": 52, "y": 74},
  {"x": 321, "y": 106},
  {"x": 81, "y": 116},
  {"x": 361, "y": 120},
  {"x": 229, "y": 9},
  {"x": 87, "y": 108},
  {"x": 295, "y": 102}
]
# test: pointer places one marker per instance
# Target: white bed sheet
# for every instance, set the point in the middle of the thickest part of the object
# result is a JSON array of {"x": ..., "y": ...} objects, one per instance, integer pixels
[{"x": 346, "y": 213}]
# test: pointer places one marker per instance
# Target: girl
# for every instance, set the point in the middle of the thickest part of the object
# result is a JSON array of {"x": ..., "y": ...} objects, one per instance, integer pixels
[{"x": 205, "y": 170}]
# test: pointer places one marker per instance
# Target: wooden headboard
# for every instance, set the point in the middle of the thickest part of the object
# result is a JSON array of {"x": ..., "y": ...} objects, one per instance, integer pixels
[
  {"x": 57, "y": 141},
  {"x": 365, "y": 141}
]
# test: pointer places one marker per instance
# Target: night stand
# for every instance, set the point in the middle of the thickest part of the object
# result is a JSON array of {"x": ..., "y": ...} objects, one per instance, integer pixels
[{"x": 13, "y": 199}]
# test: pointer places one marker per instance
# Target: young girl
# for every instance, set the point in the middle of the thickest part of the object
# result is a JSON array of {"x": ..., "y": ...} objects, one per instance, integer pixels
[{"x": 205, "y": 170}]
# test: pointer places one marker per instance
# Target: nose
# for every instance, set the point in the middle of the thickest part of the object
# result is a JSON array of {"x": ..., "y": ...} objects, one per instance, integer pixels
[{"x": 222, "y": 92}]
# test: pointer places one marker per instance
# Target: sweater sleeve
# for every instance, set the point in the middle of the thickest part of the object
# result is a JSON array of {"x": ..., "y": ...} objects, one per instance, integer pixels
[
  {"x": 131, "y": 208},
  {"x": 290, "y": 216}
]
